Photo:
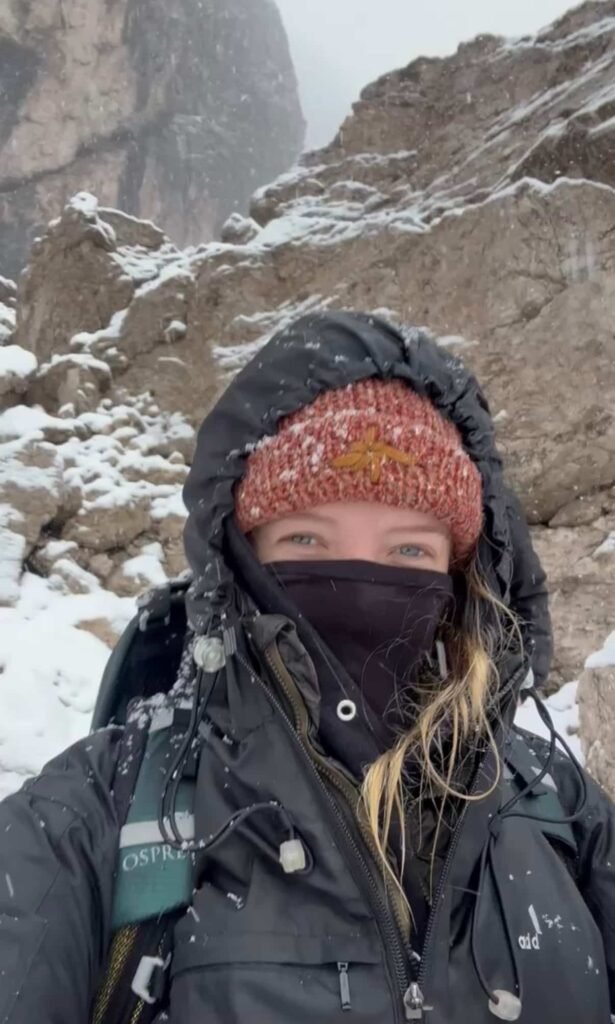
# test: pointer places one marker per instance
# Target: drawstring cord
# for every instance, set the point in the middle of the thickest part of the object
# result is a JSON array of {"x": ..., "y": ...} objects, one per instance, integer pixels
[
  {"x": 501, "y": 1003},
  {"x": 205, "y": 682},
  {"x": 487, "y": 867}
]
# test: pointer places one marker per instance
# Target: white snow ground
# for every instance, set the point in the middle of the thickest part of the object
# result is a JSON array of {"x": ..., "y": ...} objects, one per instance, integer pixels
[{"x": 50, "y": 671}]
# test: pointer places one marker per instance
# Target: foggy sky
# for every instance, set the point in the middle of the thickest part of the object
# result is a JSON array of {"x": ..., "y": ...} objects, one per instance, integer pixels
[{"x": 338, "y": 46}]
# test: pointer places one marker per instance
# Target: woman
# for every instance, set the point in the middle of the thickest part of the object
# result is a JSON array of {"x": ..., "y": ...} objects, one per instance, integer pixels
[{"x": 372, "y": 838}]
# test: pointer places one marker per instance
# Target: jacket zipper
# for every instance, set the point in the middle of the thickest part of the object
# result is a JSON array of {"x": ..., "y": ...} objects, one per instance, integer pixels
[
  {"x": 345, "y": 1000},
  {"x": 389, "y": 926}
]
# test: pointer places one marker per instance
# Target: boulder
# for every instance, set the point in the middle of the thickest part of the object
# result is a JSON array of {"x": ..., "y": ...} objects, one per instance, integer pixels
[
  {"x": 582, "y": 592},
  {"x": 101, "y": 564},
  {"x": 107, "y": 294},
  {"x": 71, "y": 578},
  {"x": 109, "y": 522},
  {"x": 76, "y": 379},
  {"x": 75, "y": 280},
  {"x": 596, "y": 695},
  {"x": 139, "y": 573},
  {"x": 17, "y": 367},
  {"x": 31, "y": 483},
  {"x": 153, "y": 468},
  {"x": 238, "y": 229},
  {"x": 8, "y": 292},
  {"x": 43, "y": 559}
]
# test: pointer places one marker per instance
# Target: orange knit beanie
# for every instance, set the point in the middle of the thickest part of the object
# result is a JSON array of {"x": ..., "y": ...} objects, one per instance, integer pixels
[{"x": 370, "y": 441}]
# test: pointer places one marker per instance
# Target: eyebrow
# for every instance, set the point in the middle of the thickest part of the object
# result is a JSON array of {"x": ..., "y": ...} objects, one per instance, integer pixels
[
  {"x": 439, "y": 528},
  {"x": 436, "y": 528},
  {"x": 302, "y": 516}
]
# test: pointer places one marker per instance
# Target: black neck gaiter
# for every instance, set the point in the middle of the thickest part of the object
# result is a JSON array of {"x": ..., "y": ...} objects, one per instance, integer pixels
[{"x": 379, "y": 621}]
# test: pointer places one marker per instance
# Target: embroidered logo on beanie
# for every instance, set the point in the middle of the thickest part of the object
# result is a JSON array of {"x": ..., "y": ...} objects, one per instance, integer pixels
[{"x": 370, "y": 454}]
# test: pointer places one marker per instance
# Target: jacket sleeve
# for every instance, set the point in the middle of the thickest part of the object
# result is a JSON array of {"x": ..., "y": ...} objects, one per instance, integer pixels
[
  {"x": 58, "y": 845},
  {"x": 529, "y": 595}
]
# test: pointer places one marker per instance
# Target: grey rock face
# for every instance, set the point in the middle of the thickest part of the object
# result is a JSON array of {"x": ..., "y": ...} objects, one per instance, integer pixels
[{"x": 174, "y": 112}]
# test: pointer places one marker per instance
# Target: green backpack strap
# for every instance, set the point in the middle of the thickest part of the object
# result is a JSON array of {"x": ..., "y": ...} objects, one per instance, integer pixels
[
  {"x": 153, "y": 882},
  {"x": 154, "y": 878}
]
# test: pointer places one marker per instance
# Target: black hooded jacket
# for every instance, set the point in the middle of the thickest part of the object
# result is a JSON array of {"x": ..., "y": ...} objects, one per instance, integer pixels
[{"x": 522, "y": 907}]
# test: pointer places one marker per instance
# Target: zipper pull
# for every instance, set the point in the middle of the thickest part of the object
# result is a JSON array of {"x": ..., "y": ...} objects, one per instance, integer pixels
[
  {"x": 342, "y": 970},
  {"x": 414, "y": 1003}
]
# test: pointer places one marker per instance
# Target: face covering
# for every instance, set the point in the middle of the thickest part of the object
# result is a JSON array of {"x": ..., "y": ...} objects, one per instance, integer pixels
[{"x": 379, "y": 621}]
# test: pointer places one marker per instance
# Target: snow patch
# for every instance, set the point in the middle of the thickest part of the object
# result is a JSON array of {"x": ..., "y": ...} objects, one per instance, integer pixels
[
  {"x": 606, "y": 548},
  {"x": 16, "y": 361},
  {"x": 564, "y": 711},
  {"x": 22, "y": 420},
  {"x": 147, "y": 566},
  {"x": 605, "y": 657},
  {"x": 51, "y": 672}
]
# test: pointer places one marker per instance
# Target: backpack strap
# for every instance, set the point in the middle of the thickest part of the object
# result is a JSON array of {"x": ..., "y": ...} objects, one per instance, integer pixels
[
  {"x": 543, "y": 802},
  {"x": 153, "y": 881},
  {"x": 152, "y": 877},
  {"x": 146, "y": 658},
  {"x": 130, "y": 758}
]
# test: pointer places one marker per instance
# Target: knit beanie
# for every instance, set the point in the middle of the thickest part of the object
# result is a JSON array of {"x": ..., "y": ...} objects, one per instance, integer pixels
[{"x": 375, "y": 441}]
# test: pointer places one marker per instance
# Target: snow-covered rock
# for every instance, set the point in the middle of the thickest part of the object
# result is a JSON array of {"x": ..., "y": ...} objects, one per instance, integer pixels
[
  {"x": 8, "y": 299},
  {"x": 78, "y": 379},
  {"x": 140, "y": 573},
  {"x": 110, "y": 521},
  {"x": 17, "y": 366},
  {"x": 31, "y": 483},
  {"x": 106, "y": 483},
  {"x": 238, "y": 230}
]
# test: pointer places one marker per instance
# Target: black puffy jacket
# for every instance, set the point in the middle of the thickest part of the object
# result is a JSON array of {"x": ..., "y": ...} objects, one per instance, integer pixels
[{"x": 518, "y": 908}]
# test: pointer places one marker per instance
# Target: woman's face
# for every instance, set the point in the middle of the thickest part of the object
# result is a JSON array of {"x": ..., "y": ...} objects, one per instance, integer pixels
[{"x": 357, "y": 530}]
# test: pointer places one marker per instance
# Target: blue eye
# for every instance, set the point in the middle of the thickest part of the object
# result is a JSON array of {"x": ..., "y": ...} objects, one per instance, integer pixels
[
  {"x": 410, "y": 551},
  {"x": 301, "y": 538}
]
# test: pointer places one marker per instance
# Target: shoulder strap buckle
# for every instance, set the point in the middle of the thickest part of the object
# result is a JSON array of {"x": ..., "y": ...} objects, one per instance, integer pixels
[{"x": 149, "y": 978}]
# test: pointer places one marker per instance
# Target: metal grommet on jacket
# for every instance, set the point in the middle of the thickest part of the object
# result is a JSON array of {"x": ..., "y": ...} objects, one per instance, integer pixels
[{"x": 346, "y": 710}]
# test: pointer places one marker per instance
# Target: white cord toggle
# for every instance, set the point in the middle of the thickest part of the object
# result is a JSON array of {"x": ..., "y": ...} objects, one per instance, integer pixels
[
  {"x": 508, "y": 1006},
  {"x": 292, "y": 856}
]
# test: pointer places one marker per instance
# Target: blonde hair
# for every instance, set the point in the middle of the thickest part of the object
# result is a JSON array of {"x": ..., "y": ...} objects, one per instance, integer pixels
[{"x": 456, "y": 708}]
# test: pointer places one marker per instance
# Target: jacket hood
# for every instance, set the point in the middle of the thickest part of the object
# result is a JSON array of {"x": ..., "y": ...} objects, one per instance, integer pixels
[{"x": 321, "y": 352}]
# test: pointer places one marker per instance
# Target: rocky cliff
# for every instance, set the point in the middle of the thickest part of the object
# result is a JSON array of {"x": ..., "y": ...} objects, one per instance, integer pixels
[
  {"x": 174, "y": 112},
  {"x": 473, "y": 194}
]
